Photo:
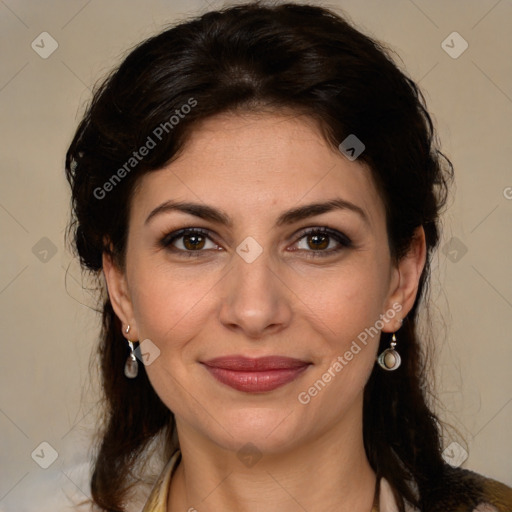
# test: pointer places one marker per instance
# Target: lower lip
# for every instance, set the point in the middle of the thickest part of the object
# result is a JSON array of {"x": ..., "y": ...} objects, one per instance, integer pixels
[{"x": 256, "y": 382}]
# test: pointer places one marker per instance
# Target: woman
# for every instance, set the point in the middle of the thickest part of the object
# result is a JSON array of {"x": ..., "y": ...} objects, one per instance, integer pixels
[{"x": 261, "y": 189}]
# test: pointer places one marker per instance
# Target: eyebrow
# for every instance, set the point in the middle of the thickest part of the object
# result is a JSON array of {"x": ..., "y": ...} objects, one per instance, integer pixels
[{"x": 289, "y": 217}]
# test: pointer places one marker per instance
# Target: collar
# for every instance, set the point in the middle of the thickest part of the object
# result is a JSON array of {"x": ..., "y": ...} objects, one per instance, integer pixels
[{"x": 157, "y": 501}]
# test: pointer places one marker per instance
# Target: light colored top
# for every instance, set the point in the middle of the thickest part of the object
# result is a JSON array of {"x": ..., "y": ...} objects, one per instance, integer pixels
[{"x": 157, "y": 501}]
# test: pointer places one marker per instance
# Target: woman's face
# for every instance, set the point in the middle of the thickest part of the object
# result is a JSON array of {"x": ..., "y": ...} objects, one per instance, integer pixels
[{"x": 253, "y": 283}]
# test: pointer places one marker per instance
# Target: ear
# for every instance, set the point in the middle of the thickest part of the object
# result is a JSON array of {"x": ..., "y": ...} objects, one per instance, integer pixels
[
  {"x": 119, "y": 295},
  {"x": 405, "y": 279}
]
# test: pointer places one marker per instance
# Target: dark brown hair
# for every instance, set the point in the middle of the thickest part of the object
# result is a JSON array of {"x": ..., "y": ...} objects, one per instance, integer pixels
[{"x": 256, "y": 56}]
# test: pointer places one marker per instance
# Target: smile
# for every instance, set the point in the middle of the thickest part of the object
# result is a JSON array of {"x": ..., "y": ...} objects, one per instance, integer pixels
[{"x": 255, "y": 375}]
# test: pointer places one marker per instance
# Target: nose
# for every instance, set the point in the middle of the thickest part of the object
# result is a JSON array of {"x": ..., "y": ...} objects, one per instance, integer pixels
[{"x": 256, "y": 301}]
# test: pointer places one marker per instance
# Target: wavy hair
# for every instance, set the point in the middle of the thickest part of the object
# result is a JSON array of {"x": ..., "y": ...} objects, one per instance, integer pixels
[{"x": 257, "y": 56}]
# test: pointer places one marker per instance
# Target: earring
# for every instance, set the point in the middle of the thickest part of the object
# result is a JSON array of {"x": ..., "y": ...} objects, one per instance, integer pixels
[
  {"x": 131, "y": 367},
  {"x": 390, "y": 359}
]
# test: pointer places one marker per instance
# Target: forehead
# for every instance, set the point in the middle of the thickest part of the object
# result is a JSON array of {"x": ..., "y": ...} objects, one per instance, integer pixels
[{"x": 259, "y": 163}]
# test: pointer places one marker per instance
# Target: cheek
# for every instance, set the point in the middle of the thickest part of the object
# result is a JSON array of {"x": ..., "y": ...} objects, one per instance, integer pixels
[
  {"x": 171, "y": 309},
  {"x": 342, "y": 309},
  {"x": 343, "y": 302},
  {"x": 168, "y": 306},
  {"x": 344, "y": 318}
]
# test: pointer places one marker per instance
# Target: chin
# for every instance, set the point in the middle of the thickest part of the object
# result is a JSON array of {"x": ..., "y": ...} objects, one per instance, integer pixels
[{"x": 270, "y": 430}]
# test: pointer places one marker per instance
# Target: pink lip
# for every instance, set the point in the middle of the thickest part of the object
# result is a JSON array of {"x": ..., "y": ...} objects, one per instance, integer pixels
[{"x": 255, "y": 375}]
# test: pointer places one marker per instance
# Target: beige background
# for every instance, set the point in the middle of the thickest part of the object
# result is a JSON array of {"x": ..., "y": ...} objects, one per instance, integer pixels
[{"x": 48, "y": 328}]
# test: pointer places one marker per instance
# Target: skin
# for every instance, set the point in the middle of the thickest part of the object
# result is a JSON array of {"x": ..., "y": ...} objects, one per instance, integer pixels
[{"x": 287, "y": 302}]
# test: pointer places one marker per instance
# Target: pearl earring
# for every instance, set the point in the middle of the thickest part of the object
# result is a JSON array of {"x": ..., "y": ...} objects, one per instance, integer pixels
[
  {"x": 390, "y": 359},
  {"x": 131, "y": 367}
]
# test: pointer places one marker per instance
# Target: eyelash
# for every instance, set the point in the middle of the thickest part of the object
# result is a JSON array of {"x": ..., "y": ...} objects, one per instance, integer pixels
[{"x": 343, "y": 241}]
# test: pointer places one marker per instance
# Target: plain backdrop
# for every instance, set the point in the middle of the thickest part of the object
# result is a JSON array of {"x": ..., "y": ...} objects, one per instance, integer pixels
[{"x": 49, "y": 328}]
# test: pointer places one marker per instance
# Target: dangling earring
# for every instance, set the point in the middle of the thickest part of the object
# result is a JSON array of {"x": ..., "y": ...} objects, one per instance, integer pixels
[
  {"x": 390, "y": 359},
  {"x": 131, "y": 367}
]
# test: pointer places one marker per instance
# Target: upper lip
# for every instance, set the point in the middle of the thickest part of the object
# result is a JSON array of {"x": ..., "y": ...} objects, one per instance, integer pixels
[{"x": 258, "y": 364}]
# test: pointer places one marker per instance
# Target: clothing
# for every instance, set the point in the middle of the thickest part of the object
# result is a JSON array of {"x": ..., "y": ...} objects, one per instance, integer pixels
[{"x": 462, "y": 491}]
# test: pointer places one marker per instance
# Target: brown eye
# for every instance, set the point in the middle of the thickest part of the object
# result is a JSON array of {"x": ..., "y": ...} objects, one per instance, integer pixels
[
  {"x": 322, "y": 242},
  {"x": 318, "y": 242},
  {"x": 189, "y": 240},
  {"x": 194, "y": 242}
]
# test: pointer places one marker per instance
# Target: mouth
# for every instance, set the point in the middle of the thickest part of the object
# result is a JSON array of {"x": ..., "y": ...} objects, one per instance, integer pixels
[{"x": 255, "y": 375}]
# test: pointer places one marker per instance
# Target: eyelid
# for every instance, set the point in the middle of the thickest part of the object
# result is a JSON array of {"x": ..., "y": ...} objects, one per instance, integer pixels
[
  {"x": 324, "y": 230},
  {"x": 343, "y": 240},
  {"x": 167, "y": 240}
]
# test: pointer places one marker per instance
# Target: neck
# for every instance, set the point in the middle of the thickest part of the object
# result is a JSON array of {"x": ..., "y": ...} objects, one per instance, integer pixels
[{"x": 328, "y": 473}]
